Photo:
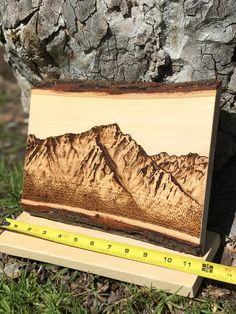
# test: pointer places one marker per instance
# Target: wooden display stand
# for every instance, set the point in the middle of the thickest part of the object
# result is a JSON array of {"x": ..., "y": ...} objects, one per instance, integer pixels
[
  {"x": 133, "y": 157},
  {"x": 130, "y": 271}
]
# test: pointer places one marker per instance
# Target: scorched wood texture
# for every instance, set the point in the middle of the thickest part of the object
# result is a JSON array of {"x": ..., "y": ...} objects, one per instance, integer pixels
[{"x": 131, "y": 158}]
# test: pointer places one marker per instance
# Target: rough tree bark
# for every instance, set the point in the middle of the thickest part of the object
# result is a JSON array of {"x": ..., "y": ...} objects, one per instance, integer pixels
[
  {"x": 158, "y": 40},
  {"x": 147, "y": 40}
]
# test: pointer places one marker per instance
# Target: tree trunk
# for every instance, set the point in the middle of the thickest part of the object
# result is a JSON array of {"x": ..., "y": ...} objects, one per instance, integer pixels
[
  {"x": 152, "y": 40},
  {"x": 125, "y": 40}
]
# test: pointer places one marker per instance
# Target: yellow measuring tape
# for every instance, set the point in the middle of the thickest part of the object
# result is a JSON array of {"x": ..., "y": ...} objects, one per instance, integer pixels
[{"x": 131, "y": 252}]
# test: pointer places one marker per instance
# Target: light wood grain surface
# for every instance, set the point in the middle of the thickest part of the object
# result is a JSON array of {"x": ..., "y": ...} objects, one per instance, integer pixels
[{"x": 108, "y": 266}]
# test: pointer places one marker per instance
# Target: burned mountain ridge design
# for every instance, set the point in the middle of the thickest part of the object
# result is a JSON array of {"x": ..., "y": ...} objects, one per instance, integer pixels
[
  {"x": 189, "y": 171},
  {"x": 106, "y": 171}
]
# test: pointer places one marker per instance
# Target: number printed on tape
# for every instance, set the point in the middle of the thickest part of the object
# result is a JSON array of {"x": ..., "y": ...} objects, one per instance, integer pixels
[{"x": 131, "y": 252}]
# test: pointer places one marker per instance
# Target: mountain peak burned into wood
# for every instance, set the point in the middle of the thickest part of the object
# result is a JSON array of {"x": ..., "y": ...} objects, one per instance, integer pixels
[
  {"x": 106, "y": 172},
  {"x": 130, "y": 160}
]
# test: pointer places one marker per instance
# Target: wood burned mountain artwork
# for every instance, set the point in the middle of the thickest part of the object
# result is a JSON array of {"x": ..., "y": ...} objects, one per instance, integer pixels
[{"x": 133, "y": 159}]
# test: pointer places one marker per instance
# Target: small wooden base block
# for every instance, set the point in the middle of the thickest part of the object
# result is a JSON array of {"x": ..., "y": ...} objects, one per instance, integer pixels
[{"x": 108, "y": 266}]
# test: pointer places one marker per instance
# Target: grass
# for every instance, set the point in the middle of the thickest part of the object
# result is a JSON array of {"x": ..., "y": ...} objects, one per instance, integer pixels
[
  {"x": 10, "y": 188},
  {"x": 3, "y": 98},
  {"x": 45, "y": 289},
  {"x": 28, "y": 294},
  {"x": 12, "y": 144}
]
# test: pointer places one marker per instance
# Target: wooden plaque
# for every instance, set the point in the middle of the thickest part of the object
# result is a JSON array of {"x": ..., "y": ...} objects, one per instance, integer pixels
[{"x": 133, "y": 158}]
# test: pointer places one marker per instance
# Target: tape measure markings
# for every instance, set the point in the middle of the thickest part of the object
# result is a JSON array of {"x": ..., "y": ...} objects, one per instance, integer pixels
[{"x": 149, "y": 256}]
